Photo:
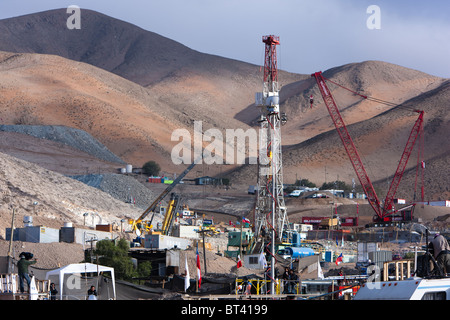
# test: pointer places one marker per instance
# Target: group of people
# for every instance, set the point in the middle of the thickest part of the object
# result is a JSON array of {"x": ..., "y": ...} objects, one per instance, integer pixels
[
  {"x": 290, "y": 280},
  {"x": 24, "y": 276}
]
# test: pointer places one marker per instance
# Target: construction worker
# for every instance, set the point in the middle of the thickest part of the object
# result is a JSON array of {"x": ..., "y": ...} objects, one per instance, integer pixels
[
  {"x": 441, "y": 252},
  {"x": 22, "y": 267}
]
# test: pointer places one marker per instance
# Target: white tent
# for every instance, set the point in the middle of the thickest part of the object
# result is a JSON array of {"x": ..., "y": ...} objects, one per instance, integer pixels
[{"x": 80, "y": 268}]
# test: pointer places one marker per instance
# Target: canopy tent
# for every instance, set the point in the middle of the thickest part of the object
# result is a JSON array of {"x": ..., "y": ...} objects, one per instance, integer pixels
[{"x": 80, "y": 268}]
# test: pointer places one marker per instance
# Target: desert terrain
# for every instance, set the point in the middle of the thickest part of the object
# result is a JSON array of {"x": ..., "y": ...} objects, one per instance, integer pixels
[{"x": 129, "y": 89}]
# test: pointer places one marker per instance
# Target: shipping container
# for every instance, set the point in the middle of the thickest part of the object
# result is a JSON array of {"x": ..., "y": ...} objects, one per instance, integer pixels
[
  {"x": 83, "y": 236},
  {"x": 380, "y": 257},
  {"x": 189, "y": 232},
  {"x": 104, "y": 227},
  {"x": 161, "y": 242},
  {"x": 364, "y": 248},
  {"x": 349, "y": 221},
  {"x": 41, "y": 234}
]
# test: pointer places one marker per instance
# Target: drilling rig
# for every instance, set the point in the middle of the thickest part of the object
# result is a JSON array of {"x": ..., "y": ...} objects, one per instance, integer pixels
[{"x": 270, "y": 211}]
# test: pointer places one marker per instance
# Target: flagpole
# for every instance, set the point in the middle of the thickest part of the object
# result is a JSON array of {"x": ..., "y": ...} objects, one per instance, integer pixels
[
  {"x": 240, "y": 240},
  {"x": 204, "y": 251}
]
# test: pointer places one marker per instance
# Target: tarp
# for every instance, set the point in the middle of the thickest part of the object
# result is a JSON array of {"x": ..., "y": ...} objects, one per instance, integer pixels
[{"x": 80, "y": 268}]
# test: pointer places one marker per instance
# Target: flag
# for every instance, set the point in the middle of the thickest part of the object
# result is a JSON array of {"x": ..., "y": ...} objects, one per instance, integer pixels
[
  {"x": 199, "y": 273},
  {"x": 245, "y": 220},
  {"x": 186, "y": 279},
  {"x": 319, "y": 271},
  {"x": 239, "y": 262},
  {"x": 339, "y": 259},
  {"x": 33, "y": 289}
]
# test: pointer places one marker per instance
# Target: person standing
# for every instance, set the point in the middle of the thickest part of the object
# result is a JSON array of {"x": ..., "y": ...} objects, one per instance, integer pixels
[
  {"x": 22, "y": 267},
  {"x": 293, "y": 280},
  {"x": 53, "y": 291},
  {"x": 286, "y": 280},
  {"x": 441, "y": 252}
]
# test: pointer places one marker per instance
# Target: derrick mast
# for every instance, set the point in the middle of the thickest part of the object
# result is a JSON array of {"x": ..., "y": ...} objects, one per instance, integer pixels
[{"x": 271, "y": 209}]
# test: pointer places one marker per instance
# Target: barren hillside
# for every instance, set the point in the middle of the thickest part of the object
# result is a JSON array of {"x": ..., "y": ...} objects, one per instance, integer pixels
[
  {"x": 53, "y": 199},
  {"x": 50, "y": 90},
  {"x": 52, "y": 155},
  {"x": 170, "y": 86},
  {"x": 380, "y": 142}
]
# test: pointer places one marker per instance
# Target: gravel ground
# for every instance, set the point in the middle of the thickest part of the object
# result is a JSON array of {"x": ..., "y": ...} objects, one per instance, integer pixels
[
  {"x": 74, "y": 138},
  {"x": 121, "y": 187}
]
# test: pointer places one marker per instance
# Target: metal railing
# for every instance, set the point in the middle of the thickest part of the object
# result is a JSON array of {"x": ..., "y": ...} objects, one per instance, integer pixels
[{"x": 262, "y": 287}]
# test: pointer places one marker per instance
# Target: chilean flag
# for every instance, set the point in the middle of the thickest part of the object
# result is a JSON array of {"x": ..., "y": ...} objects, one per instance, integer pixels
[
  {"x": 339, "y": 259},
  {"x": 239, "y": 262},
  {"x": 199, "y": 273},
  {"x": 245, "y": 220}
]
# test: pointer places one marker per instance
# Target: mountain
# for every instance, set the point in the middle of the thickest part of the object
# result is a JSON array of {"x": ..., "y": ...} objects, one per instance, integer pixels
[
  {"x": 131, "y": 88},
  {"x": 380, "y": 141},
  {"x": 49, "y": 90},
  {"x": 178, "y": 84},
  {"x": 110, "y": 44}
]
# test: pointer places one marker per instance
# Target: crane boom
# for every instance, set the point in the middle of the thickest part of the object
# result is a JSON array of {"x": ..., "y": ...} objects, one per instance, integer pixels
[
  {"x": 415, "y": 132},
  {"x": 348, "y": 145},
  {"x": 382, "y": 211}
]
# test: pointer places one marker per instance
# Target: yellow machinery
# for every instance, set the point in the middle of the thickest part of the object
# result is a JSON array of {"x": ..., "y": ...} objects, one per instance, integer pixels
[
  {"x": 171, "y": 213},
  {"x": 139, "y": 224}
]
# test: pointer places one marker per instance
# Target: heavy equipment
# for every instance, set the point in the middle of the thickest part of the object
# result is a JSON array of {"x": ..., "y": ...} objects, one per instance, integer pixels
[
  {"x": 270, "y": 210},
  {"x": 139, "y": 225},
  {"x": 171, "y": 214},
  {"x": 385, "y": 212}
]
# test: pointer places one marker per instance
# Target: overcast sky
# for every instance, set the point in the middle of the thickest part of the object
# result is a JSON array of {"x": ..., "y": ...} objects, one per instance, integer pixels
[{"x": 314, "y": 35}]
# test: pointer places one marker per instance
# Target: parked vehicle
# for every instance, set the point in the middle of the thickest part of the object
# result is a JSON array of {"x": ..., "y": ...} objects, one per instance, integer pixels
[{"x": 296, "y": 193}]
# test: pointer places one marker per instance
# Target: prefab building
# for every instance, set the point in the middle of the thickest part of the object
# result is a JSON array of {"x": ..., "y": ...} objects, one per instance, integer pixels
[
  {"x": 83, "y": 236},
  {"x": 161, "y": 242},
  {"x": 37, "y": 234}
]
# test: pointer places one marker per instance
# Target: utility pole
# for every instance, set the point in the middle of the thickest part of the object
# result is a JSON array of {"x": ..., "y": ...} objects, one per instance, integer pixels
[{"x": 10, "y": 254}]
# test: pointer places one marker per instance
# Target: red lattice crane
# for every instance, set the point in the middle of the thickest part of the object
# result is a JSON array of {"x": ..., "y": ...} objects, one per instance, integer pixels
[{"x": 383, "y": 212}]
